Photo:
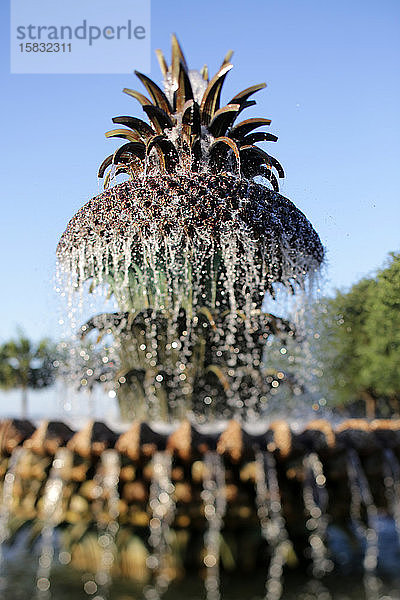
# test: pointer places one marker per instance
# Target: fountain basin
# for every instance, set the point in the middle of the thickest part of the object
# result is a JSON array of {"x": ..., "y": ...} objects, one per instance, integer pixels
[{"x": 189, "y": 445}]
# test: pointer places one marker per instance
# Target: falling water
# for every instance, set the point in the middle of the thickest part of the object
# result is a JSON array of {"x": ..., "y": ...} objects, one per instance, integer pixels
[
  {"x": 7, "y": 495},
  {"x": 52, "y": 515},
  {"x": 392, "y": 485},
  {"x": 315, "y": 499},
  {"x": 361, "y": 494},
  {"x": 7, "y": 502},
  {"x": 162, "y": 506},
  {"x": 214, "y": 498},
  {"x": 147, "y": 245},
  {"x": 107, "y": 523},
  {"x": 273, "y": 525}
]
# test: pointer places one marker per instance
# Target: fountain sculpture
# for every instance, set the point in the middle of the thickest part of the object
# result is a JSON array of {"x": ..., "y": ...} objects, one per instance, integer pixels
[{"x": 188, "y": 246}]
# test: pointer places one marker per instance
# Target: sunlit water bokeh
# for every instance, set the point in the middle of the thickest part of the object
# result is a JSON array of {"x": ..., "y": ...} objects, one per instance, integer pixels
[{"x": 346, "y": 583}]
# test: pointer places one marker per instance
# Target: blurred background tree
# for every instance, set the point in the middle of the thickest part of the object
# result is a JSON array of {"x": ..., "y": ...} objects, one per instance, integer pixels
[
  {"x": 27, "y": 365},
  {"x": 360, "y": 343}
]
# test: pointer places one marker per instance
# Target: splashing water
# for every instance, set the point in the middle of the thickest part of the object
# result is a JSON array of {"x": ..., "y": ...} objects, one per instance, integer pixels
[
  {"x": 214, "y": 498},
  {"x": 52, "y": 515},
  {"x": 273, "y": 525},
  {"x": 315, "y": 499},
  {"x": 7, "y": 502},
  {"x": 162, "y": 506},
  {"x": 392, "y": 485},
  {"x": 361, "y": 494},
  {"x": 107, "y": 526},
  {"x": 187, "y": 261}
]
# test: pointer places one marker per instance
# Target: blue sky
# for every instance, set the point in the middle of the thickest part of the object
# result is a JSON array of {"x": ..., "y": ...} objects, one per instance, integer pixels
[{"x": 333, "y": 95}]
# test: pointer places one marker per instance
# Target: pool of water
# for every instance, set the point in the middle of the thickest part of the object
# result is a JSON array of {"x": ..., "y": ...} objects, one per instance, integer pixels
[
  {"x": 18, "y": 575},
  {"x": 67, "y": 584}
]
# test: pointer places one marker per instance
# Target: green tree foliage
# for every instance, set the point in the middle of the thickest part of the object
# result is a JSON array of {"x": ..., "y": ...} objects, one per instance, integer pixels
[
  {"x": 361, "y": 341},
  {"x": 384, "y": 325},
  {"x": 25, "y": 365}
]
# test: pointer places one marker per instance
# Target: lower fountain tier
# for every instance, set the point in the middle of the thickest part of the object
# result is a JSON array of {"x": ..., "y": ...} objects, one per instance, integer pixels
[
  {"x": 188, "y": 442},
  {"x": 307, "y": 479},
  {"x": 188, "y": 445}
]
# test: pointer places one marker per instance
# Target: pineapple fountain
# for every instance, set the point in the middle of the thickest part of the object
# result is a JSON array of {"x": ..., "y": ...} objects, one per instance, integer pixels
[{"x": 188, "y": 245}]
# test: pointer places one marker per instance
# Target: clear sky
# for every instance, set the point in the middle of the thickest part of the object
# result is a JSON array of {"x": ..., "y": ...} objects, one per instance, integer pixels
[{"x": 333, "y": 94}]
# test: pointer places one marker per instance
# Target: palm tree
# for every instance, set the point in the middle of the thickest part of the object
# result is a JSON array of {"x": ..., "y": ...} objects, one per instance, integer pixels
[{"x": 24, "y": 365}]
